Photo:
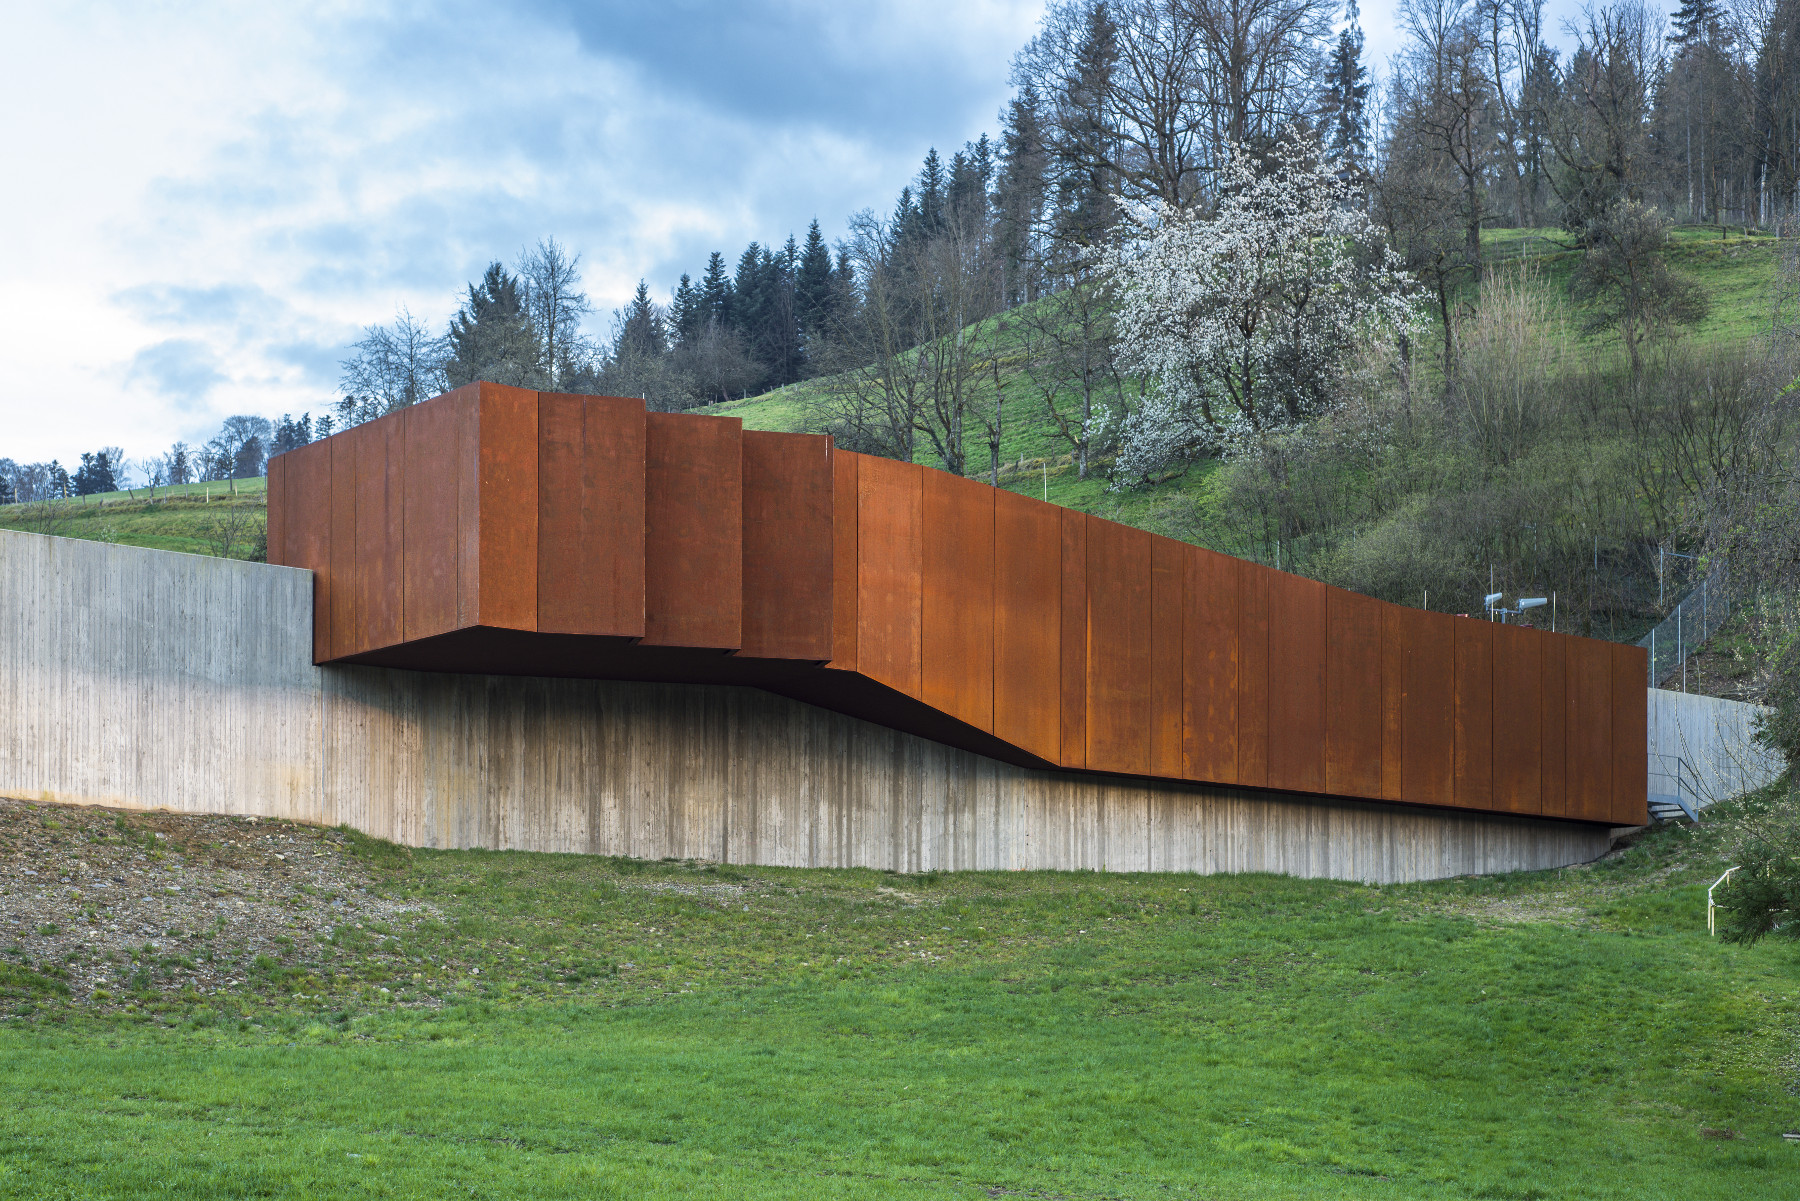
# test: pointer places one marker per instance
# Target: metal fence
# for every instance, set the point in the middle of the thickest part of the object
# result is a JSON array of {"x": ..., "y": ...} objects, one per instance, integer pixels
[{"x": 1692, "y": 622}]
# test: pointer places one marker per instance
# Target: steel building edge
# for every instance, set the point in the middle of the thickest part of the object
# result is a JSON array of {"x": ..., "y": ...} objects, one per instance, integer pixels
[{"x": 503, "y": 531}]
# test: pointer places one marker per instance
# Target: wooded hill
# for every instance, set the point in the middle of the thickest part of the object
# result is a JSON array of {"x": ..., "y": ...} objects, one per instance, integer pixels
[{"x": 1564, "y": 484}]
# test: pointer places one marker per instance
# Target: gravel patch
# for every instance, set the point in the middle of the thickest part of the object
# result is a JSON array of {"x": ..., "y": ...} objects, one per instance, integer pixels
[{"x": 108, "y": 901}]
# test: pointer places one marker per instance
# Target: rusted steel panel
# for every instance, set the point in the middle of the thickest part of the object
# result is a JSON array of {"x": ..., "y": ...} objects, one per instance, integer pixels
[
  {"x": 787, "y": 545},
  {"x": 1393, "y": 701},
  {"x": 1518, "y": 719},
  {"x": 430, "y": 514},
  {"x": 1253, "y": 674},
  {"x": 1027, "y": 623},
  {"x": 1588, "y": 720},
  {"x": 1168, "y": 588},
  {"x": 1210, "y": 655},
  {"x": 1119, "y": 648},
  {"x": 346, "y": 631},
  {"x": 306, "y": 499},
  {"x": 467, "y": 402},
  {"x": 275, "y": 520},
  {"x": 1428, "y": 710},
  {"x": 1474, "y": 713},
  {"x": 1074, "y": 633},
  {"x": 1630, "y": 749},
  {"x": 888, "y": 573},
  {"x": 508, "y": 507},
  {"x": 1296, "y": 683},
  {"x": 957, "y": 610},
  {"x": 1552, "y": 724},
  {"x": 590, "y": 553},
  {"x": 973, "y": 614},
  {"x": 380, "y": 523},
  {"x": 846, "y": 505},
  {"x": 1353, "y": 695},
  {"x": 693, "y": 531}
]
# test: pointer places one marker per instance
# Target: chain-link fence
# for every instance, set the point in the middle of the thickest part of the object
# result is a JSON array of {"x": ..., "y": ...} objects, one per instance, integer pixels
[{"x": 1692, "y": 622}]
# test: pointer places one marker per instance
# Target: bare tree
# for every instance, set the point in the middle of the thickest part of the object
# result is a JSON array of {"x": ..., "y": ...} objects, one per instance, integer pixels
[
  {"x": 393, "y": 366},
  {"x": 1599, "y": 129},
  {"x": 1069, "y": 348},
  {"x": 1260, "y": 63},
  {"x": 556, "y": 305},
  {"x": 1152, "y": 94}
]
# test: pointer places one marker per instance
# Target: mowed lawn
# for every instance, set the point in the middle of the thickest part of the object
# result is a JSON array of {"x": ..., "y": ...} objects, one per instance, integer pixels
[{"x": 564, "y": 1026}]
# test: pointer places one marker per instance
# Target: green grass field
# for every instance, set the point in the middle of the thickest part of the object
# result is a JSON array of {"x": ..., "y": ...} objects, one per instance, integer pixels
[
  {"x": 566, "y": 1026},
  {"x": 194, "y": 518}
]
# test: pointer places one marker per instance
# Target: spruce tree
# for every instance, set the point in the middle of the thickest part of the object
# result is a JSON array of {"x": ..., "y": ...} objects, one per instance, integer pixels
[
  {"x": 491, "y": 336},
  {"x": 1345, "y": 101},
  {"x": 812, "y": 281},
  {"x": 747, "y": 293},
  {"x": 641, "y": 329},
  {"x": 715, "y": 293},
  {"x": 687, "y": 311},
  {"x": 1021, "y": 192},
  {"x": 1698, "y": 22},
  {"x": 934, "y": 187}
]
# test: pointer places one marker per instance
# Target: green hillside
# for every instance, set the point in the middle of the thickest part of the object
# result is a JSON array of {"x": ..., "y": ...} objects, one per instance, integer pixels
[
  {"x": 218, "y": 518},
  {"x": 1736, "y": 271}
]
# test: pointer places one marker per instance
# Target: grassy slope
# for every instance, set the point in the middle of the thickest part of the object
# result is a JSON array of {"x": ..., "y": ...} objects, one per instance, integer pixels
[
  {"x": 650, "y": 1030},
  {"x": 1737, "y": 273},
  {"x": 181, "y": 519}
]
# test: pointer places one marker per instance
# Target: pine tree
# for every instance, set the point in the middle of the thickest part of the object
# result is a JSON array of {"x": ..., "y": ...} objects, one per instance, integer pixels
[
  {"x": 933, "y": 189},
  {"x": 687, "y": 311},
  {"x": 1019, "y": 196},
  {"x": 491, "y": 336},
  {"x": 747, "y": 299},
  {"x": 715, "y": 293},
  {"x": 1345, "y": 101},
  {"x": 641, "y": 329},
  {"x": 1088, "y": 136},
  {"x": 812, "y": 282},
  {"x": 1698, "y": 22},
  {"x": 95, "y": 474}
]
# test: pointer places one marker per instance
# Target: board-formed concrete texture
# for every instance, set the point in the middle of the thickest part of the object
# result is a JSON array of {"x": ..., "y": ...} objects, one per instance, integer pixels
[
  {"x": 153, "y": 680},
  {"x": 1705, "y": 748},
  {"x": 499, "y": 530}
]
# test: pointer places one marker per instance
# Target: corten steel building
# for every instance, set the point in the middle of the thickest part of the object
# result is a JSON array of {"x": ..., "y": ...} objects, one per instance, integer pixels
[{"x": 495, "y": 531}]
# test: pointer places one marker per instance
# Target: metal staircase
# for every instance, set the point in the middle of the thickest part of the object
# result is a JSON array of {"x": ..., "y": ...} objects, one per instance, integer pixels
[{"x": 1674, "y": 791}]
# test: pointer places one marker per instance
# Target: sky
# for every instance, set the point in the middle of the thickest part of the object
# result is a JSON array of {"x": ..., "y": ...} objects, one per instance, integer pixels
[{"x": 210, "y": 201}]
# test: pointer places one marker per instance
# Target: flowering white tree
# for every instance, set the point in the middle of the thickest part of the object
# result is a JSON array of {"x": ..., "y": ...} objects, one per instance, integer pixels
[{"x": 1241, "y": 321}]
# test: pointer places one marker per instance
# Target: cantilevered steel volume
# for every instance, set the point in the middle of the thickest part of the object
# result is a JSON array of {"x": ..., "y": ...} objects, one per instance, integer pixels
[{"x": 498, "y": 530}]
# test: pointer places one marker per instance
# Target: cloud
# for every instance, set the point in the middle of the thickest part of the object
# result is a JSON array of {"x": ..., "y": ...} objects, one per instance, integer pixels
[
  {"x": 221, "y": 196},
  {"x": 181, "y": 369},
  {"x": 230, "y": 193}
]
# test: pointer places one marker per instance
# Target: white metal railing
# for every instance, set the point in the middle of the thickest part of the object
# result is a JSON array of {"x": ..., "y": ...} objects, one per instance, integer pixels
[{"x": 1711, "y": 909}]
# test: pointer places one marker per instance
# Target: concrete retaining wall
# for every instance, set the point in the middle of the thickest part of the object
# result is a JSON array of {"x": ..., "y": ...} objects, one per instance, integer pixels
[
  {"x": 146, "y": 679},
  {"x": 1715, "y": 743}
]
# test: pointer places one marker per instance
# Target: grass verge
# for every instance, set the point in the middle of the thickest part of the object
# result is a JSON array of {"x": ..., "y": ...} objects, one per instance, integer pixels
[{"x": 565, "y": 1025}]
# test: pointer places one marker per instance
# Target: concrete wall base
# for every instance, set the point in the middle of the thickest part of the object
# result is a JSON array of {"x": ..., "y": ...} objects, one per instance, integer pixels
[{"x": 147, "y": 679}]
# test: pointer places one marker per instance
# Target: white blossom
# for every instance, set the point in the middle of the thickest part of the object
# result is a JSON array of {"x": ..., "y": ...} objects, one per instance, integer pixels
[{"x": 1241, "y": 321}]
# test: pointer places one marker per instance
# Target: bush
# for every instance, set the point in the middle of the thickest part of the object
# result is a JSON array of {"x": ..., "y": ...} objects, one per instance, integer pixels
[{"x": 1763, "y": 895}]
